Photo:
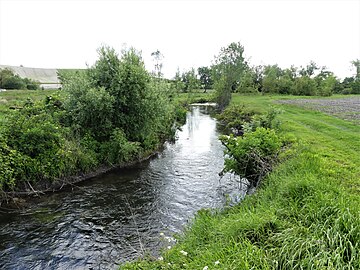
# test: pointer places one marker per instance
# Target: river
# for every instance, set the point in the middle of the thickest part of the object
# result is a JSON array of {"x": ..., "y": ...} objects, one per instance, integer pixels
[{"x": 119, "y": 216}]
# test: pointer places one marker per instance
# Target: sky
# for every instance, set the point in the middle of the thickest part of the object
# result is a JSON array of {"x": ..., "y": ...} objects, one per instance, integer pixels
[{"x": 188, "y": 33}]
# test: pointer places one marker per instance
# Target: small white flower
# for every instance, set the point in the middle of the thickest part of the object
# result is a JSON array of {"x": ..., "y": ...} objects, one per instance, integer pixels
[
  {"x": 206, "y": 268},
  {"x": 162, "y": 234},
  {"x": 183, "y": 252},
  {"x": 169, "y": 263},
  {"x": 217, "y": 262},
  {"x": 168, "y": 247},
  {"x": 160, "y": 258}
]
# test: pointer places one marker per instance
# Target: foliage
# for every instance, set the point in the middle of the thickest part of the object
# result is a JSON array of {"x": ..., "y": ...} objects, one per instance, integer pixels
[
  {"x": 234, "y": 117},
  {"x": 35, "y": 146},
  {"x": 228, "y": 70},
  {"x": 206, "y": 80},
  {"x": 356, "y": 64},
  {"x": 239, "y": 119},
  {"x": 265, "y": 120},
  {"x": 249, "y": 83},
  {"x": 9, "y": 80},
  {"x": 118, "y": 149},
  {"x": 110, "y": 114},
  {"x": 270, "y": 79},
  {"x": 190, "y": 81},
  {"x": 157, "y": 58},
  {"x": 253, "y": 154},
  {"x": 304, "y": 86},
  {"x": 88, "y": 109}
]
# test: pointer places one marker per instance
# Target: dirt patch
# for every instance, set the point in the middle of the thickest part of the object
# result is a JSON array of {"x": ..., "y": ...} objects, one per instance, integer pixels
[{"x": 345, "y": 108}]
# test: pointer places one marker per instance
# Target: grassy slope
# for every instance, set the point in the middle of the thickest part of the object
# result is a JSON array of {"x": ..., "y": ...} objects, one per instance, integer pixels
[{"x": 304, "y": 216}]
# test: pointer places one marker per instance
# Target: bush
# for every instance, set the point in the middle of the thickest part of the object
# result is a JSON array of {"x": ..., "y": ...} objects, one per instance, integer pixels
[
  {"x": 118, "y": 149},
  {"x": 88, "y": 109},
  {"x": 267, "y": 120},
  {"x": 252, "y": 155},
  {"x": 304, "y": 86},
  {"x": 234, "y": 117}
]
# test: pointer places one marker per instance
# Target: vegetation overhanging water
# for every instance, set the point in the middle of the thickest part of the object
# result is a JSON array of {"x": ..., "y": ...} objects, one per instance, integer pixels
[{"x": 119, "y": 216}]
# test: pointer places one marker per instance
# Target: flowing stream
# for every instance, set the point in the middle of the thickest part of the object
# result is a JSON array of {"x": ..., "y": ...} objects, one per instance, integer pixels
[{"x": 118, "y": 216}]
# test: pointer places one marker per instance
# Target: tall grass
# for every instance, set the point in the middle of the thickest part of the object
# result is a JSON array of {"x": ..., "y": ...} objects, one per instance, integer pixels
[{"x": 305, "y": 215}]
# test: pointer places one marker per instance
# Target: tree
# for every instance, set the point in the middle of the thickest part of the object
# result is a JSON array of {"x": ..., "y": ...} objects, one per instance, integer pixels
[
  {"x": 9, "y": 80},
  {"x": 304, "y": 86},
  {"x": 157, "y": 58},
  {"x": 140, "y": 108},
  {"x": 228, "y": 71},
  {"x": 271, "y": 77},
  {"x": 309, "y": 70},
  {"x": 190, "y": 80},
  {"x": 179, "y": 85},
  {"x": 205, "y": 78},
  {"x": 356, "y": 64}
]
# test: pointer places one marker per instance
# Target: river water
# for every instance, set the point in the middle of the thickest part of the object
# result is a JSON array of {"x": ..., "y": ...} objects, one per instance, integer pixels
[{"x": 119, "y": 216}]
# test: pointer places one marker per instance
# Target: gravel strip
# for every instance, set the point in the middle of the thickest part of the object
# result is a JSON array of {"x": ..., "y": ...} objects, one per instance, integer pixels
[{"x": 345, "y": 108}]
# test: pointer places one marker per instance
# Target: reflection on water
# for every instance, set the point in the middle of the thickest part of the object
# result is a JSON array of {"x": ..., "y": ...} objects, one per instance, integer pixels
[{"x": 118, "y": 216}]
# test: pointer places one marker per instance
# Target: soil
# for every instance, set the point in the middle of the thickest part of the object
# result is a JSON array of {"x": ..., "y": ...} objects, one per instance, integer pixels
[{"x": 345, "y": 108}]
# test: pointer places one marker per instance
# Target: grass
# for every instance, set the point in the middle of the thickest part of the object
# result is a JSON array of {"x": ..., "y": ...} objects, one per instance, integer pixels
[
  {"x": 16, "y": 98},
  {"x": 305, "y": 215}
]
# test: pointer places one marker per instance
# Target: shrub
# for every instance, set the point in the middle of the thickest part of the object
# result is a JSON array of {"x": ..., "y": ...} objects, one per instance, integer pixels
[
  {"x": 118, "y": 149},
  {"x": 88, "y": 109},
  {"x": 267, "y": 120},
  {"x": 252, "y": 155},
  {"x": 234, "y": 117},
  {"x": 304, "y": 86}
]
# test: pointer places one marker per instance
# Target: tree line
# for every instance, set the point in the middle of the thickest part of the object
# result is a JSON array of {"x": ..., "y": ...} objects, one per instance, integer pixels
[
  {"x": 10, "y": 80},
  {"x": 232, "y": 72}
]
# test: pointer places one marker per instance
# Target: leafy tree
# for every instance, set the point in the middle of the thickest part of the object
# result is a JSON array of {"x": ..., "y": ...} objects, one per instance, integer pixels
[
  {"x": 178, "y": 83},
  {"x": 89, "y": 109},
  {"x": 304, "y": 86},
  {"x": 157, "y": 58},
  {"x": 205, "y": 77},
  {"x": 271, "y": 79},
  {"x": 228, "y": 70},
  {"x": 139, "y": 104},
  {"x": 356, "y": 64},
  {"x": 309, "y": 70},
  {"x": 190, "y": 81}
]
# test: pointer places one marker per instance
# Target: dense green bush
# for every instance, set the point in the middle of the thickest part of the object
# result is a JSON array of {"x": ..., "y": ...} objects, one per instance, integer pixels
[
  {"x": 234, "y": 117},
  {"x": 88, "y": 109},
  {"x": 304, "y": 86},
  {"x": 118, "y": 149},
  {"x": 267, "y": 120},
  {"x": 252, "y": 155}
]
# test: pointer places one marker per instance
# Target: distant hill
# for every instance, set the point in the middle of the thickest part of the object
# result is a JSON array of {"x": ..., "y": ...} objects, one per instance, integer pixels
[{"x": 47, "y": 77}]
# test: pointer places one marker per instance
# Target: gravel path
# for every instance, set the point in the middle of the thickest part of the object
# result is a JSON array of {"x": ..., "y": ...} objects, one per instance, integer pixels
[{"x": 345, "y": 108}]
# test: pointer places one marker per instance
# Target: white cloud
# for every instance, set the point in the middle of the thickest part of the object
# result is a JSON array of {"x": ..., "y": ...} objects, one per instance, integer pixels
[{"x": 67, "y": 33}]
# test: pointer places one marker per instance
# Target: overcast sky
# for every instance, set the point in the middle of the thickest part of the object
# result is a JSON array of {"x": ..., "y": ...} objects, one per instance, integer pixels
[{"x": 66, "y": 34}]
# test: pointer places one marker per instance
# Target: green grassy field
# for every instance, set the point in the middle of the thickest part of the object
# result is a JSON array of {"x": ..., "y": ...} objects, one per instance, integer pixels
[
  {"x": 16, "y": 98},
  {"x": 305, "y": 215}
]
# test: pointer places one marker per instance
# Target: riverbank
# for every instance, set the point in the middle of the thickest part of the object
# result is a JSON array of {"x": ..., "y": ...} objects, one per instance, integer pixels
[
  {"x": 304, "y": 215},
  {"x": 82, "y": 157}
]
